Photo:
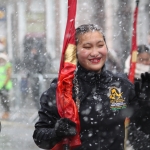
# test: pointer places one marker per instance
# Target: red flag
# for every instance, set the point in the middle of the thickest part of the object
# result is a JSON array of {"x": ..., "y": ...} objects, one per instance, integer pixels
[
  {"x": 134, "y": 46},
  {"x": 65, "y": 104}
]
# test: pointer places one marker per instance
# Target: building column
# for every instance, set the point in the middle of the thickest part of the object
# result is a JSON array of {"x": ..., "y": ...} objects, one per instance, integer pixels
[
  {"x": 21, "y": 6},
  {"x": 9, "y": 31},
  {"x": 63, "y": 20},
  {"x": 50, "y": 27},
  {"x": 109, "y": 23},
  {"x": 142, "y": 23}
]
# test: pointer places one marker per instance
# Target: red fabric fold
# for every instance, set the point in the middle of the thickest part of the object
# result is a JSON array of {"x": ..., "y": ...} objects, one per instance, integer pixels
[{"x": 65, "y": 104}]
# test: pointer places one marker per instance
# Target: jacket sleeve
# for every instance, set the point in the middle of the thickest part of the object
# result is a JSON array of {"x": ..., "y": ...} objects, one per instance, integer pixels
[
  {"x": 44, "y": 134},
  {"x": 141, "y": 114},
  {"x": 139, "y": 129},
  {"x": 142, "y": 119},
  {"x": 138, "y": 139}
]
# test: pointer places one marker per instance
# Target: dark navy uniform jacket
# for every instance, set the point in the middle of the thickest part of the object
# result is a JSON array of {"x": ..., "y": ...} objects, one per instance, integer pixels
[{"x": 106, "y": 99}]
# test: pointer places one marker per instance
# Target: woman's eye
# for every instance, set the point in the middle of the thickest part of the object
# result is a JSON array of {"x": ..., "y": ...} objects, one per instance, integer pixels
[
  {"x": 100, "y": 45},
  {"x": 87, "y": 47}
]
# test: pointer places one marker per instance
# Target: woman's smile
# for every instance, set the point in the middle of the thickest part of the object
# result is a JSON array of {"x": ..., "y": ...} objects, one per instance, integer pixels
[{"x": 95, "y": 60}]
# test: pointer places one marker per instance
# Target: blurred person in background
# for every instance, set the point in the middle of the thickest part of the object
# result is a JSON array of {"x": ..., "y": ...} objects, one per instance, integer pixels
[
  {"x": 142, "y": 64},
  {"x": 34, "y": 64},
  {"x": 5, "y": 83},
  {"x": 24, "y": 85}
]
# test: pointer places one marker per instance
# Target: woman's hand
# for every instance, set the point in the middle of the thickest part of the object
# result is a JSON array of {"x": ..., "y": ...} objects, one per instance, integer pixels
[
  {"x": 142, "y": 89},
  {"x": 65, "y": 128}
]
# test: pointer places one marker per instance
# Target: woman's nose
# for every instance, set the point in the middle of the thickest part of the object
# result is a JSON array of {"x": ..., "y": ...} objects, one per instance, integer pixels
[{"x": 94, "y": 52}]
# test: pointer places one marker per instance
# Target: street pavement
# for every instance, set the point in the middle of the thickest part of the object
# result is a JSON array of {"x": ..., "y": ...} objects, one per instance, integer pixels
[
  {"x": 16, "y": 136},
  {"x": 16, "y": 132}
]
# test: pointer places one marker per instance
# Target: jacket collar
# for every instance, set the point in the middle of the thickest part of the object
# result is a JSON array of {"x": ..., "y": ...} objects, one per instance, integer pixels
[{"x": 92, "y": 76}]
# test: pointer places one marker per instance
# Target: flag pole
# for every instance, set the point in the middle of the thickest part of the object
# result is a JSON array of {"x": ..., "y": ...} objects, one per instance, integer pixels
[
  {"x": 132, "y": 67},
  {"x": 65, "y": 104},
  {"x": 134, "y": 45},
  {"x": 126, "y": 126}
]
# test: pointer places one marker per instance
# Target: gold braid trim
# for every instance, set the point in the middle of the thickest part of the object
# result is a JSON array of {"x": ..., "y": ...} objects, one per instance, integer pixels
[
  {"x": 134, "y": 56},
  {"x": 70, "y": 54}
]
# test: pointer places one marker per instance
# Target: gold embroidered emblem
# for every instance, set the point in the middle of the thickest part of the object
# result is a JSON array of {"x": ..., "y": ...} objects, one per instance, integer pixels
[{"x": 116, "y": 99}]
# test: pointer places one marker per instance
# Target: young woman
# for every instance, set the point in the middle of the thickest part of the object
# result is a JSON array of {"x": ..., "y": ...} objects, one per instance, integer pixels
[{"x": 105, "y": 101}]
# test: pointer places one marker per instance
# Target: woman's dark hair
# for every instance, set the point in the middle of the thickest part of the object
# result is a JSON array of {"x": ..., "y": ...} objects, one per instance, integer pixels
[
  {"x": 143, "y": 48},
  {"x": 86, "y": 28}
]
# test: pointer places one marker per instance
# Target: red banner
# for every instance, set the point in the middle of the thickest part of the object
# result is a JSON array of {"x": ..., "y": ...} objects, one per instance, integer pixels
[
  {"x": 134, "y": 46},
  {"x": 65, "y": 104}
]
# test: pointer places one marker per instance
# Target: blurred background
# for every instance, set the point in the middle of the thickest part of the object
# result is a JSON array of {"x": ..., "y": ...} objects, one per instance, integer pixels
[{"x": 31, "y": 34}]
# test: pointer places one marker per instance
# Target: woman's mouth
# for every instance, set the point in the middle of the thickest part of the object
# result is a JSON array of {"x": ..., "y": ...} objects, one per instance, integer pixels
[{"x": 95, "y": 60}]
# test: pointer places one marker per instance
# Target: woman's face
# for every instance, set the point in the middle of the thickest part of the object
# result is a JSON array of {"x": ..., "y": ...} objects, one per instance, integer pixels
[
  {"x": 143, "y": 58},
  {"x": 91, "y": 50}
]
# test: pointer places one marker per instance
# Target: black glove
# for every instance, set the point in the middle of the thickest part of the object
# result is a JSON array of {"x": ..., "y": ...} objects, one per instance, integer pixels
[
  {"x": 142, "y": 89},
  {"x": 65, "y": 128}
]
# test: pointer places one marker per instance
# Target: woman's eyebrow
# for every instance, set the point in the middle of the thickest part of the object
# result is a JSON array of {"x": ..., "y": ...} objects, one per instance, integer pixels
[
  {"x": 86, "y": 43},
  {"x": 101, "y": 41}
]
